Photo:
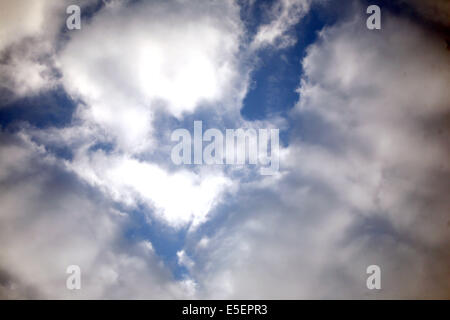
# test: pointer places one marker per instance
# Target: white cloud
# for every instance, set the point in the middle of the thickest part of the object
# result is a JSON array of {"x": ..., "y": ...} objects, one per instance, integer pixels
[
  {"x": 184, "y": 260},
  {"x": 49, "y": 221},
  {"x": 179, "y": 198},
  {"x": 383, "y": 97},
  {"x": 203, "y": 243},
  {"x": 21, "y": 19},
  {"x": 28, "y": 30},
  {"x": 131, "y": 60},
  {"x": 367, "y": 182},
  {"x": 285, "y": 15}
]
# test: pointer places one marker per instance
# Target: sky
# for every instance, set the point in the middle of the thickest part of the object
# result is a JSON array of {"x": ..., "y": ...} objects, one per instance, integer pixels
[{"x": 87, "y": 178}]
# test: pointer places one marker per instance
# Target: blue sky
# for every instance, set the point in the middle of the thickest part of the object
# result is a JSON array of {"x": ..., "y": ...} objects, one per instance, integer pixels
[{"x": 85, "y": 163}]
